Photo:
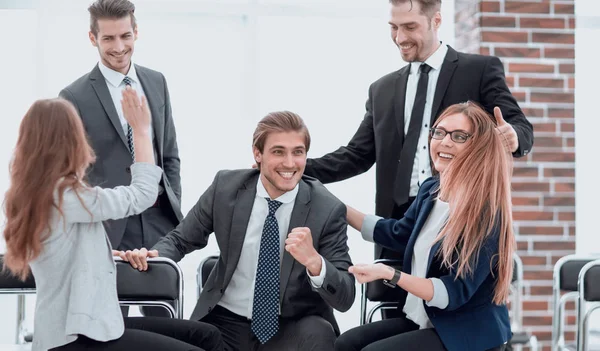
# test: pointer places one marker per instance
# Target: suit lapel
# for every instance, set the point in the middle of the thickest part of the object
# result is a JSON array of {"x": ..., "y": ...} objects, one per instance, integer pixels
[
  {"x": 298, "y": 219},
  {"x": 400, "y": 97},
  {"x": 421, "y": 219},
  {"x": 446, "y": 72},
  {"x": 239, "y": 224},
  {"x": 153, "y": 98},
  {"x": 99, "y": 84}
]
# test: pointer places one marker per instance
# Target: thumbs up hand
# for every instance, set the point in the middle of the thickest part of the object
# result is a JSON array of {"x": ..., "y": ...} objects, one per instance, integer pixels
[{"x": 506, "y": 131}]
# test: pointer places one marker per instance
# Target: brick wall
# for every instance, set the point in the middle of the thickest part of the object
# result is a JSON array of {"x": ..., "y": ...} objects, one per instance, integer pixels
[{"x": 535, "y": 40}]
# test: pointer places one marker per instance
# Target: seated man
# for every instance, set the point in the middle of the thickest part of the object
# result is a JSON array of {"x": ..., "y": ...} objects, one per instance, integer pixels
[{"x": 282, "y": 236}]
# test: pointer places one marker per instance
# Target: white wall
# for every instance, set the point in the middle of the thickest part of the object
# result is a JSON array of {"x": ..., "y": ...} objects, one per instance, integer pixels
[
  {"x": 227, "y": 63},
  {"x": 587, "y": 125}
]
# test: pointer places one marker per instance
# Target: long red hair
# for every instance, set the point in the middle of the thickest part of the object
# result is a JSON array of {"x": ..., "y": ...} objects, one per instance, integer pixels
[
  {"x": 477, "y": 184},
  {"x": 51, "y": 155}
]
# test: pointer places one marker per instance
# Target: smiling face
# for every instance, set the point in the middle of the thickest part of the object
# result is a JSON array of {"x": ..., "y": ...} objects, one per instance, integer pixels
[
  {"x": 414, "y": 32},
  {"x": 115, "y": 42},
  {"x": 282, "y": 161},
  {"x": 443, "y": 151}
]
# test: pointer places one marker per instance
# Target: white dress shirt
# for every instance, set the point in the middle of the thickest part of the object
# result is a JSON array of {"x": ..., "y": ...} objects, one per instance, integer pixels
[
  {"x": 239, "y": 295},
  {"x": 114, "y": 82},
  {"x": 421, "y": 166},
  {"x": 413, "y": 307}
]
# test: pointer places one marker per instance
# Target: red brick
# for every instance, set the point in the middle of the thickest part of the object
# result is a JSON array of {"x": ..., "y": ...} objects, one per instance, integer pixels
[
  {"x": 564, "y": 9},
  {"x": 541, "y": 83},
  {"x": 532, "y": 172},
  {"x": 571, "y": 83},
  {"x": 525, "y": 201},
  {"x": 490, "y": 6},
  {"x": 541, "y": 290},
  {"x": 564, "y": 187},
  {"x": 504, "y": 37},
  {"x": 484, "y": 51},
  {"x": 567, "y": 127},
  {"x": 572, "y": 231},
  {"x": 554, "y": 246},
  {"x": 541, "y": 230},
  {"x": 530, "y": 67},
  {"x": 540, "y": 156},
  {"x": 571, "y": 23},
  {"x": 510, "y": 81},
  {"x": 517, "y": 52},
  {"x": 533, "y": 22},
  {"x": 567, "y": 98},
  {"x": 533, "y": 112},
  {"x": 526, "y": 7},
  {"x": 531, "y": 187},
  {"x": 533, "y": 216},
  {"x": 498, "y": 21},
  {"x": 558, "y": 172},
  {"x": 520, "y": 96},
  {"x": 537, "y": 275},
  {"x": 537, "y": 320},
  {"x": 567, "y": 68},
  {"x": 559, "y": 53},
  {"x": 522, "y": 245},
  {"x": 561, "y": 113},
  {"x": 566, "y": 216},
  {"x": 544, "y": 127},
  {"x": 548, "y": 142},
  {"x": 556, "y": 38},
  {"x": 559, "y": 201},
  {"x": 536, "y": 305}
]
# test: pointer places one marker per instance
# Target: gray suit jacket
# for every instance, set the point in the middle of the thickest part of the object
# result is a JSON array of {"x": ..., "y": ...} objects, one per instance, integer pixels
[
  {"x": 92, "y": 100},
  {"x": 225, "y": 209},
  {"x": 75, "y": 272}
]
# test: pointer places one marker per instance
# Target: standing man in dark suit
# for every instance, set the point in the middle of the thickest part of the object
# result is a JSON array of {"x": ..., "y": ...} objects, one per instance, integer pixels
[
  {"x": 284, "y": 259},
  {"x": 97, "y": 97},
  {"x": 403, "y": 105}
]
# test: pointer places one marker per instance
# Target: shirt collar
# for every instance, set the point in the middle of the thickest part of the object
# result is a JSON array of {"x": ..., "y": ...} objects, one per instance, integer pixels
[
  {"x": 286, "y": 198},
  {"x": 115, "y": 78},
  {"x": 435, "y": 60}
]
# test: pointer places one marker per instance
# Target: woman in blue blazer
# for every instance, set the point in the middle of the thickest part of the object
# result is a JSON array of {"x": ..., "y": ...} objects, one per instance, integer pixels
[{"x": 457, "y": 241}]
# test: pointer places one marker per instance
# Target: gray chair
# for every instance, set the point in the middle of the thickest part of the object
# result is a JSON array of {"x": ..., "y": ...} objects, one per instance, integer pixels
[
  {"x": 589, "y": 300},
  {"x": 11, "y": 285},
  {"x": 565, "y": 289},
  {"x": 520, "y": 337},
  {"x": 204, "y": 269},
  {"x": 161, "y": 285},
  {"x": 377, "y": 292}
]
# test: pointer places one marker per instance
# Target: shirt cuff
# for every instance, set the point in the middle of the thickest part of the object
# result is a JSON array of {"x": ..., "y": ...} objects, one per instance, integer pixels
[
  {"x": 440, "y": 294},
  {"x": 368, "y": 227},
  {"x": 317, "y": 281}
]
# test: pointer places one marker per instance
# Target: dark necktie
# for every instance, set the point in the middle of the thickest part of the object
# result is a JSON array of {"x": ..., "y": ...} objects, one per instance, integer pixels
[
  {"x": 411, "y": 139},
  {"x": 265, "y": 309},
  {"x": 127, "y": 82}
]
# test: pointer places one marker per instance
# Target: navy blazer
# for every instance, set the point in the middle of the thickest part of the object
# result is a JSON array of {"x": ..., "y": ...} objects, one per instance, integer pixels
[{"x": 471, "y": 321}]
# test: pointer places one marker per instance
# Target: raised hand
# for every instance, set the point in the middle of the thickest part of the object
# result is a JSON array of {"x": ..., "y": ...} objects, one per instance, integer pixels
[{"x": 506, "y": 131}]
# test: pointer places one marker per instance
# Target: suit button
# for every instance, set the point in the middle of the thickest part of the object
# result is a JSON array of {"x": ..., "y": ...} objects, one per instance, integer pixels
[{"x": 128, "y": 169}]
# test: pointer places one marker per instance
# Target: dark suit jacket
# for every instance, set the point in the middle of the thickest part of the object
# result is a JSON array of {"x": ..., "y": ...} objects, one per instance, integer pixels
[
  {"x": 380, "y": 137},
  {"x": 225, "y": 209},
  {"x": 471, "y": 321},
  {"x": 92, "y": 100}
]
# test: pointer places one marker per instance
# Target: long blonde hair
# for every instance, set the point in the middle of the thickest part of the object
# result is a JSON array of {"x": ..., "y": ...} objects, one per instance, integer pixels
[
  {"x": 52, "y": 145},
  {"x": 477, "y": 185}
]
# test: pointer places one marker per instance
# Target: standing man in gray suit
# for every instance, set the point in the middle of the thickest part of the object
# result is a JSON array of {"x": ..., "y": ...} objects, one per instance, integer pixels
[
  {"x": 97, "y": 97},
  {"x": 284, "y": 255}
]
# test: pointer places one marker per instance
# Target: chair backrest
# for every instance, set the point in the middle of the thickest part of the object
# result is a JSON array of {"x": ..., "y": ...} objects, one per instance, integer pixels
[
  {"x": 9, "y": 284},
  {"x": 568, "y": 271},
  {"x": 376, "y": 291},
  {"x": 589, "y": 300},
  {"x": 204, "y": 268},
  {"x": 160, "y": 284}
]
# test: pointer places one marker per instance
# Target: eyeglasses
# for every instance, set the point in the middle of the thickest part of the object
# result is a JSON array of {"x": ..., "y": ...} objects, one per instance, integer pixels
[{"x": 457, "y": 136}]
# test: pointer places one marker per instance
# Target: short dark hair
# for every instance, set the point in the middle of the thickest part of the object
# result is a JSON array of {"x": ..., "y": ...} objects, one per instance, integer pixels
[
  {"x": 428, "y": 7},
  {"x": 111, "y": 9},
  {"x": 277, "y": 122}
]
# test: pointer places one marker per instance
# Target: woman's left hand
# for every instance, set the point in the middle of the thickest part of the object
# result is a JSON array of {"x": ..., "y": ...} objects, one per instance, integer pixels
[{"x": 365, "y": 273}]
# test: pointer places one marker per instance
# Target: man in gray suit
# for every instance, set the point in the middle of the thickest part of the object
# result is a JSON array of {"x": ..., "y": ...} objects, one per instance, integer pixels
[
  {"x": 284, "y": 257},
  {"x": 97, "y": 97}
]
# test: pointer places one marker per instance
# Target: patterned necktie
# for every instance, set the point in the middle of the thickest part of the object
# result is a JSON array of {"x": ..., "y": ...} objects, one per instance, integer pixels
[
  {"x": 265, "y": 310},
  {"x": 127, "y": 82}
]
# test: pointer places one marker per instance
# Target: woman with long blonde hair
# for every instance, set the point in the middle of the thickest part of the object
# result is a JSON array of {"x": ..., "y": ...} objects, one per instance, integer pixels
[
  {"x": 457, "y": 243},
  {"x": 54, "y": 231}
]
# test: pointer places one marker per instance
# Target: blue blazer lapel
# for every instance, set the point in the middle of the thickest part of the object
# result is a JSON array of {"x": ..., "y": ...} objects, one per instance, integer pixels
[{"x": 424, "y": 212}]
